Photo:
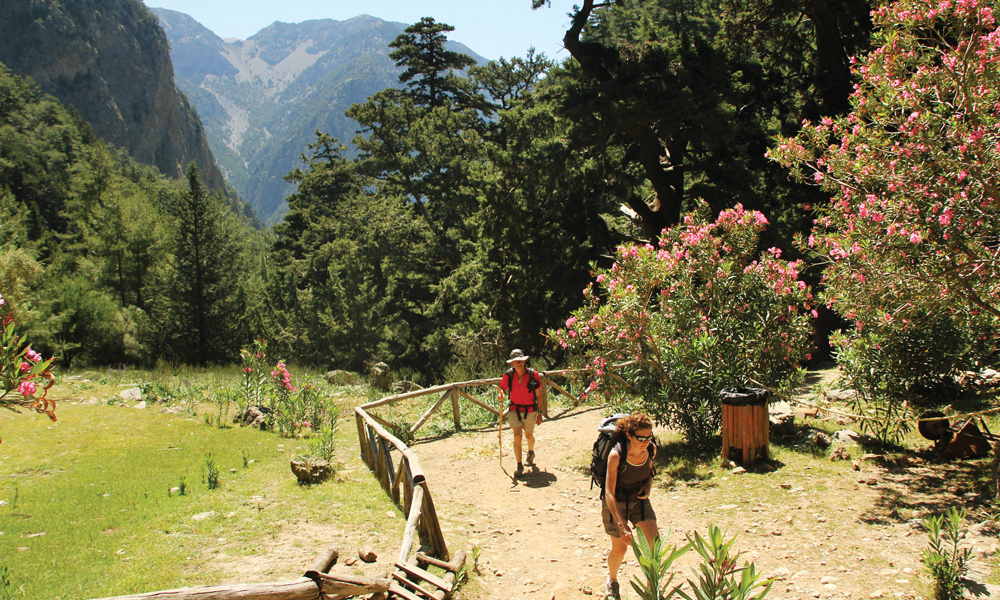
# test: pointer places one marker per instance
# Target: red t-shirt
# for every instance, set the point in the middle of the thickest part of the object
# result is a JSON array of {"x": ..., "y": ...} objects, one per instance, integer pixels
[{"x": 520, "y": 394}]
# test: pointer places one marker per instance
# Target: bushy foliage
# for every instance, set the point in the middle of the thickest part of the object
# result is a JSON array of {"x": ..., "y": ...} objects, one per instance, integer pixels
[
  {"x": 909, "y": 235},
  {"x": 675, "y": 324}
]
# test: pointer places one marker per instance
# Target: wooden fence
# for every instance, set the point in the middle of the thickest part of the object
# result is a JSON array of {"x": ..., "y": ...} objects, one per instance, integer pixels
[{"x": 405, "y": 481}]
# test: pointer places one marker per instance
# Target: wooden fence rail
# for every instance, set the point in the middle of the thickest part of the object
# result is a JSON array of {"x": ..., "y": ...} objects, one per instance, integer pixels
[
  {"x": 457, "y": 389},
  {"x": 316, "y": 584}
]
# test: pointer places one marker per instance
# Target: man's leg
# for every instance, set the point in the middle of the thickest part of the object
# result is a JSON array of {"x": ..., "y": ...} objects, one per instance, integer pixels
[
  {"x": 517, "y": 443},
  {"x": 530, "y": 435}
]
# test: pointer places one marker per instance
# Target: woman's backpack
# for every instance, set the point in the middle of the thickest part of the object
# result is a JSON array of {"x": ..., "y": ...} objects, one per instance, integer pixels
[{"x": 606, "y": 440}]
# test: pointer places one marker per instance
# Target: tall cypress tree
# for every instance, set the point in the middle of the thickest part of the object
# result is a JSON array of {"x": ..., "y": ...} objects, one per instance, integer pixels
[{"x": 203, "y": 312}]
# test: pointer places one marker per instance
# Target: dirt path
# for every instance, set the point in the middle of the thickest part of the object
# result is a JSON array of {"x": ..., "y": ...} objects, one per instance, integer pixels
[{"x": 824, "y": 533}]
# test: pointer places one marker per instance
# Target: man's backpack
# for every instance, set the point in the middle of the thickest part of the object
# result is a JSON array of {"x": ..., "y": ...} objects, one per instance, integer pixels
[{"x": 606, "y": 440}]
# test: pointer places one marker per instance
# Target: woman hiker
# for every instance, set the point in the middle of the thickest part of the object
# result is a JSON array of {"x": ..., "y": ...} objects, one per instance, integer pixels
[
  {"x": 626, "y": 495},
  {"x": 520, "y": 383}
]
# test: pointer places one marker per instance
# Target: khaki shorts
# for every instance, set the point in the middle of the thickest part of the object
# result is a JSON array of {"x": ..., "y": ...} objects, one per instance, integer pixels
[
  {"x": 635, "y": 512},
  {"x": 527, "y": 423}
]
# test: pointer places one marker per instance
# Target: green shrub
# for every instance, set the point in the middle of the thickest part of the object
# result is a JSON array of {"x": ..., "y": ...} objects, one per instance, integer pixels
[{"x": 946, "y": 562}]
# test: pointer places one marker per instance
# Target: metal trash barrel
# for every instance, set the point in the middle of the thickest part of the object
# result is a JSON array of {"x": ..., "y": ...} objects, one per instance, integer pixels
[{"x": 745, "y": 424}]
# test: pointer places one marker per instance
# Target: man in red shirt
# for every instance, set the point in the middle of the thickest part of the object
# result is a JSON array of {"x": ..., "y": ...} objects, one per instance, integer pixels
[{"x": 521, "y": 383}]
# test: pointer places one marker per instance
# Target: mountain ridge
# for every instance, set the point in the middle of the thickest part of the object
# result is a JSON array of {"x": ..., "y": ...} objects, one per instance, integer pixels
[{"x": 262, "y": 99}]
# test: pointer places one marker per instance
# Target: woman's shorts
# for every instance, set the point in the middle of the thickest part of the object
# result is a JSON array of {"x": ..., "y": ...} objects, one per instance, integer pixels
[
  {"x": 637, "y": 512},
  {"x": 527, "y": 423}
]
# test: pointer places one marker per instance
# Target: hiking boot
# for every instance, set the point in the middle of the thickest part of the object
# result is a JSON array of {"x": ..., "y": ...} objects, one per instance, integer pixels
[
  {"x": 519, "y": 470},
  {"x": 611, "y": 590},
  {"x": 531, "y": 457}
]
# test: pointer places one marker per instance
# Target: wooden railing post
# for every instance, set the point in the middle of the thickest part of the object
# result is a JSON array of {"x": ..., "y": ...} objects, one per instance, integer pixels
[
  {"x": 455, "y": 409},
  {"x": 432, "y": 527},
  {"x": 411, "y": 523},
  {"x": 362, "y": 438}
]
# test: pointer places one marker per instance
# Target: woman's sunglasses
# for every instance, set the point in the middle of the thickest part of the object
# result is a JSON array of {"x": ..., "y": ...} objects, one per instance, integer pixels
[{"x": 642, "y": 438}]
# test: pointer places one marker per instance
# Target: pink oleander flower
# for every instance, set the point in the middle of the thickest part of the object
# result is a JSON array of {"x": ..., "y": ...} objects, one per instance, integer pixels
[
  {"x": 25, "y": 367},
  {"x": 27, "y": 388},
  {"x": 32, "y": 355}
]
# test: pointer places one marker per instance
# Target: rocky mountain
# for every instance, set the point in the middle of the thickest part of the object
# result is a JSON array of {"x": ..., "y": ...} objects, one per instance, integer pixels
[
  {"x": 110, "y": 61},
  {"x": 263, "y": 99}
]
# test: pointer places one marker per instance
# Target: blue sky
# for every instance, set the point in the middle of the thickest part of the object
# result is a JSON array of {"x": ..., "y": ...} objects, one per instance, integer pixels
[{"x": 490, "y": 28}]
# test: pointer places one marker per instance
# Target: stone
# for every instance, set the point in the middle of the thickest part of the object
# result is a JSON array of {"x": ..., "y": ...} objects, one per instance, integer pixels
[
  {"x": 840, "y": 453},
  {"x": 131, "y": 395},
  {"x": 340, "y": 377},
  {"x": 309, "y": 470},
  {"x": 782, "y": 418},
  {"x": 255, "y": 416},
  {"x": 738, "y": 471},
  {"x": 405, "y": 386},
  {"x": 141, "y": 405},
  {"x": 818, "y": 438},
  {"x": 841, "y": 395},
  {"x": 779, "y": 573},
  {"x": 202, "y": 516},
  {"x": 381, "y": 376},
  {"x": 847, "y": 437}
]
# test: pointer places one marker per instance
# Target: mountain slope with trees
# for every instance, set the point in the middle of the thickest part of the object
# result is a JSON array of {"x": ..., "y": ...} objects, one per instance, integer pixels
[{"x": 110, "y": 61}]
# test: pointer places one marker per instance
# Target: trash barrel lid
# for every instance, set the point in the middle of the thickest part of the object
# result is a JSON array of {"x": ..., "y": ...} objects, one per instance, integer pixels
[{"x": 743, "y": 396}]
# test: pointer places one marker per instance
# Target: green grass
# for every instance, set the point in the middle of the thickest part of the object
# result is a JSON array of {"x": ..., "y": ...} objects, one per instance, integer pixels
[{"x": 89, "y": 510}]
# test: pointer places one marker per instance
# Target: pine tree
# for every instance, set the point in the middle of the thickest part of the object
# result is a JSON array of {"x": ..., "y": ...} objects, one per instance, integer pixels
[{"x": 430, "y": 69}]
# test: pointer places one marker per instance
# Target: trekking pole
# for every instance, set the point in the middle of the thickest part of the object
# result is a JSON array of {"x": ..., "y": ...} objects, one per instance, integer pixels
[{"x": 500, "y": 422}]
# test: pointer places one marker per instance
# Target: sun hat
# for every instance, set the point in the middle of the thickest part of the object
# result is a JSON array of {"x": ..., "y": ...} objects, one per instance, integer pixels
[{"x": 517, "y": 355}]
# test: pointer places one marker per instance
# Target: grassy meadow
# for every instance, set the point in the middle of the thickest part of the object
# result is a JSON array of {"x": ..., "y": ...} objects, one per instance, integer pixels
[{"x": 112, "y": 500}]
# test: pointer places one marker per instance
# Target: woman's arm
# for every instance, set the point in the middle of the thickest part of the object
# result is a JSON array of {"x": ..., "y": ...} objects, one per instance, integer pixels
[
  {"x": 648, "y": 485},
  {"x": 610, "y": 483}
]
